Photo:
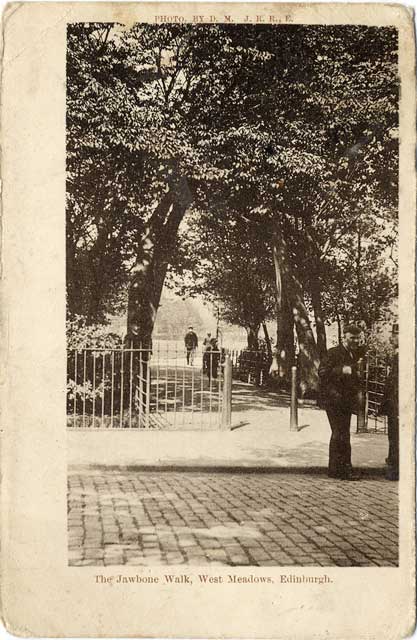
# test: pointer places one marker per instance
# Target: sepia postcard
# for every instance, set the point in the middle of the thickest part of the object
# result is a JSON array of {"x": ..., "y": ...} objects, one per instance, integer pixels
[{"x": 208, "y": 320}]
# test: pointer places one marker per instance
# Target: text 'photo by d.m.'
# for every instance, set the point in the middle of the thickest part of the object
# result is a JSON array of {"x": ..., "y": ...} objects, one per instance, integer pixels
[{"x": 232, "y": 320}]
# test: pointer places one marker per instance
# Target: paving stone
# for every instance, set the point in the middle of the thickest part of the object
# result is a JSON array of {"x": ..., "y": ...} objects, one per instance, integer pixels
[
  {"x": 216, "y": 554},
  {"x": 272, "y": 519},
  {"x": 240, "y": 560}
]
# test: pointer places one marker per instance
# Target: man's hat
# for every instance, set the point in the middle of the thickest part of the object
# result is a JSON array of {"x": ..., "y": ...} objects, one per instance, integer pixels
[{"x": 352, "y": 329}]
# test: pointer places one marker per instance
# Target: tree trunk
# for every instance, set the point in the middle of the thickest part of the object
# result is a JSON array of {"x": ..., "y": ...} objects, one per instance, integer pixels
[
  {"x": 359, "y": 273},
  {"x": 74, "y": 281},
  {"x": 308, "y": 359},
  {"x": 95, "y": 311},
  {"x": 148, "y": 277},
  {"x": 285, "y": 341},
  {"x": 339, "y": 329},
  {"x": 252, "y": 334},
  {"x": 267, "y": 341},
  {"x": 318, "y": 317},
  {"x": 284, "y": 351}
]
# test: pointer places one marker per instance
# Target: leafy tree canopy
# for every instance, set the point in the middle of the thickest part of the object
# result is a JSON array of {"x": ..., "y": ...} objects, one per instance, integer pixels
[{"x": 289, "y": 127}]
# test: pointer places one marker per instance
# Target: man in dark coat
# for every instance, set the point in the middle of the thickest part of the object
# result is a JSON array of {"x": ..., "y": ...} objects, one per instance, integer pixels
[
  {"x": 132, "y": 340},
  {"x": 389, "y": 407},
  {"x": 339, "y": 385},
  {"x": 207, "y": 344},
  {"x": 211, "y": 356},
  {"x": 191, "y": 344}
]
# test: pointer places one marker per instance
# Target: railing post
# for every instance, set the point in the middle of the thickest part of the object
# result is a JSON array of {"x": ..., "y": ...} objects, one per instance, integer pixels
[
  {"x": 227, "y": 394},
  {"x": 361, "y": 422},
  {"x": 294, "y": 401},
  {"x": 148, "y": 389}
]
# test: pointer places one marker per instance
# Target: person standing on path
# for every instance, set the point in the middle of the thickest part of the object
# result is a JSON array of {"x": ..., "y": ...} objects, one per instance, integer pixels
[
  {"x": 339, "y": 385},
  {"x": 191, "y": 344},
  {"x": 213, "y": 358},
  {"x": 389, "y": 407},
  {"x": 209, "y": 345}
]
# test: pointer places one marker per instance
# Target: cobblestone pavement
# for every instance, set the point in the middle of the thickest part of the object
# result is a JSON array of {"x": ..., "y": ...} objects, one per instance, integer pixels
[{"x": 255, "y": 519}]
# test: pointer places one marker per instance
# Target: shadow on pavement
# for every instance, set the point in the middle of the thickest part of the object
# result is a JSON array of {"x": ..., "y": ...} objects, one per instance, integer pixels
[
  {"x": 248, "y": 397},
  {"x": 303, "y": 454},
  {"x": 365, "y": 472},
  {"x": 239, "y": 425}
]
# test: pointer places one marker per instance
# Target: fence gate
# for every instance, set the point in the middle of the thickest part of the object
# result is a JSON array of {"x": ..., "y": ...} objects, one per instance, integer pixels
[
  {"x": 162, "y": 388},
  {"x": 376, "y": 372}
]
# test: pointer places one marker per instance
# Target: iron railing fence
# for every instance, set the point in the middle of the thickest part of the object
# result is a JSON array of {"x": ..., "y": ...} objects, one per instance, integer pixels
[
  {"x": 251, "y": 366},
  {"x": 166, "y": 388},
  {"x": 376, "y": 372},
  {"x": 143, "y": 388}
]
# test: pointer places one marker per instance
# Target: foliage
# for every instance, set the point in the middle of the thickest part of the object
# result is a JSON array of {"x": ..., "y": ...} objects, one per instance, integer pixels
[
  {"x": 81, "y": 335},
  {"x": 289, "y": 129},
  {"x": 380, "y": 344},
  {"x": 228, "y": 265},
  {"x": 362, "y": 281},
  {"x": 175, "y": 316},
  {"x": 139, "y": 105},
  {"x": 85, "y": 391}
]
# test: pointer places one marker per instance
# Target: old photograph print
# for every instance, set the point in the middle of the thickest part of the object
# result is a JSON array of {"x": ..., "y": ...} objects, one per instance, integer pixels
[{"x": 232, "y": 321}]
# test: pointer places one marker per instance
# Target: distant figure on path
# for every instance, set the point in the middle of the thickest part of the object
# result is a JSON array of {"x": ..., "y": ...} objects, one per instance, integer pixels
[
  {"x": 207, "y": 342},
  {"x": 339, "y": 385},
  {"x": 206, "y": 352},
  {"x": 191, "y": 344},
  {"x": 211, "y": 356},
  {"x": 389, "y": 407},
  {"x": 214, "y": 359}
]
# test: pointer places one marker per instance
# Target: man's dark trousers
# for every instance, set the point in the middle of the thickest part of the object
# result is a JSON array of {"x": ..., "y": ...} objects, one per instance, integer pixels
[
  {"x": 339, "y": 449},
  {"x": 393, "y": 442},
  {"x": 339, "y": 396}
]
